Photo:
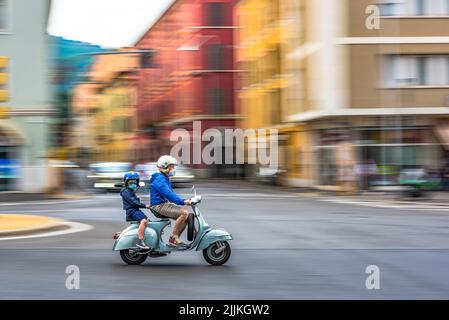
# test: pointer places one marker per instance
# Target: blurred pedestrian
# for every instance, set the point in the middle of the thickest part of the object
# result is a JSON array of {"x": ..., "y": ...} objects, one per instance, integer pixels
[
  {"x": 348, "y": 179},
  {"x": 365, "y": 172},
  {"x": 445, "y": 178}
]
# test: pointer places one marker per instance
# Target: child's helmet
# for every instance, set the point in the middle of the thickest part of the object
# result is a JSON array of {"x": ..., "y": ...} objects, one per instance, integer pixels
[{"x": 131, "y": 176}]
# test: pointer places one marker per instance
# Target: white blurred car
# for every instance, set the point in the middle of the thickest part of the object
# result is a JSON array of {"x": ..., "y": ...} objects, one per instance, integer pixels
[
  {"x": 269, "y": 175},
  {"x": 183, "y": 174},
  {"x": 108, "y": 176}
]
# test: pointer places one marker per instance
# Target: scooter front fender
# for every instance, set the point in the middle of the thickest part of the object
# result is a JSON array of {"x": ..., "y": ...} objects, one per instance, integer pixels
[
  {"x": 129, "y": 238},
  {"x": 213, "y": 236}
]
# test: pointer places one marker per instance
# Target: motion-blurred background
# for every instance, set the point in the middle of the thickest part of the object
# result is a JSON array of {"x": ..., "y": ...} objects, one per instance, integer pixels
[{"x": 358, "y": 89}]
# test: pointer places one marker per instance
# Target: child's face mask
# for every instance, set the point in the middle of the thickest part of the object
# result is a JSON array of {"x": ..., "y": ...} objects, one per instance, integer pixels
[{"x": 133, "y": 186}]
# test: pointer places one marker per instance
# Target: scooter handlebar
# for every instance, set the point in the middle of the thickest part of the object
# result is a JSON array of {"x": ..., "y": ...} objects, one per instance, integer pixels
[{"x": 196, "y": 199}]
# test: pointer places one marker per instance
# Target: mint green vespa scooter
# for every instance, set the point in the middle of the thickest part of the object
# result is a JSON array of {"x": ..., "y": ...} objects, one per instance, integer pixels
[{"x": 213, "y": 242}]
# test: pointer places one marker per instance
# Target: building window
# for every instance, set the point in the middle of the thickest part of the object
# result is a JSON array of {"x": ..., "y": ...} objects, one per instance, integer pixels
[
  {"x": 273, "y": 11},
  {"x": 414, "y": 8},
  {"x": 298, "y": 161},
  {"x": 4, "y": 79},
  {"x": 4, "y": 15},
  {"x": 404, "y": 71},
  {"x": 420, "y": 8},
  {"x": 121, "y": 125},
  {"x": 275, "y": 116},
  {"x": 388, "y": 9},
  {"x": 216, "y": 57},
  {"x": 217, "y": 101},
  {"x": 215, "y": 14},
  {"x": 436, "y": 7}
]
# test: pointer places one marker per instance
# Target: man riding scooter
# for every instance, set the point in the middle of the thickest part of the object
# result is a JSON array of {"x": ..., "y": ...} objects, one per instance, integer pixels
[
  {"x": 165, "y": 201},
  {"x": 136, "y": 243}
]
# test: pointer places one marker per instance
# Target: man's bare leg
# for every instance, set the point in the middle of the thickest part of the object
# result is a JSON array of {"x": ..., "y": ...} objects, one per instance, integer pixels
[
  {"x": 185, "y": 224},
  {"x": 181, "y": 223}
]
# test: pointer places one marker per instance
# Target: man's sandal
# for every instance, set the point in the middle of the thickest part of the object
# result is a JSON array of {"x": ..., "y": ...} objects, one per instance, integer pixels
[{"x": 175, "y": 242}]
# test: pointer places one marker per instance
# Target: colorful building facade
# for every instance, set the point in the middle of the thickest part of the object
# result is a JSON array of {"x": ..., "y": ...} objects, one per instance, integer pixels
[
  {"x": 193, "y": 78},
  {"x": 362, "y": 82},
  {"x": 26, "y": 105},
  {"x": 269, "y": 88},
  {"x": 105, "y": 109}
]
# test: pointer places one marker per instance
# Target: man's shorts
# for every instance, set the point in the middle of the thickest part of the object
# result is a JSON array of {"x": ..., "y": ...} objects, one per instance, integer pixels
[
  {"x": 169, "y": 210},
  {"x": 137, "y": 216}
]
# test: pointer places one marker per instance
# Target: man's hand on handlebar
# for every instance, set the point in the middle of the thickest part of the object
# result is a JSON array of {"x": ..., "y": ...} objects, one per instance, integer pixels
[{"x": 188, "y": 202}]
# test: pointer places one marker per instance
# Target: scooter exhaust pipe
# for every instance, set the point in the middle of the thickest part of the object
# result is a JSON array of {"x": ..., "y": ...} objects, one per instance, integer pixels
[{"x": 140, "y": 252}]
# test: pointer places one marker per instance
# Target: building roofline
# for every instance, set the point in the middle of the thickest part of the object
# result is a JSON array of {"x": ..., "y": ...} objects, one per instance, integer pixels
[{"x": 162, "y": 16}]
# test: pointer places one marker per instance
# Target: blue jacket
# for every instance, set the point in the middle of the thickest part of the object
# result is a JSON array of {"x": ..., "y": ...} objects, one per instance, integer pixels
[
  {"x": 161, "y": 190},
  {"x": 131, "y": 203}
]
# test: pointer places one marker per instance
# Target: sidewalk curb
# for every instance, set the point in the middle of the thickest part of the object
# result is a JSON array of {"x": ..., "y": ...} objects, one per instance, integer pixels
[
  {"x": 51, "y": 225},
  {"x": 374, "y": 197},
  {"x": 32, "y": 197},
  {"x": 70, "y": 196}
]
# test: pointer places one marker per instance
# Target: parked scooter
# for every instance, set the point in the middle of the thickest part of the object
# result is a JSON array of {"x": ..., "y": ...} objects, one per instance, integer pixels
[{"x": 213, "y": 242}]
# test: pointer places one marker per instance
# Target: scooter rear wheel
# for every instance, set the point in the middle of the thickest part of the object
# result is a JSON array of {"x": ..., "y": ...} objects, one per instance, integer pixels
[
  {"x": 219, "y": 258},
  {"x": 132, "y": 258}
]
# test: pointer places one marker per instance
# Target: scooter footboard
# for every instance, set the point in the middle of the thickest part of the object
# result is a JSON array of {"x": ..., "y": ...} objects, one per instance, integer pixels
[{"x": 212, "y": 237}]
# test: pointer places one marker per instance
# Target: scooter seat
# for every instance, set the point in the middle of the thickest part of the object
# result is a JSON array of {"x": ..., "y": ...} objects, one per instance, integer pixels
[
  {"x": 157, "y": 215},
  {"x": 131, "y": 221},
  {"x": 137, "y": 222}
]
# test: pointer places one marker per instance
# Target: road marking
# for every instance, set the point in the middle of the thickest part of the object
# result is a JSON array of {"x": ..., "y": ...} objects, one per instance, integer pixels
[
  {"x": 220, "y": 195},
  {"x": 249, "y": 195},
  {"x": 392, "y": 204},
  {"x": 43, "y": 202},
  {"x": 18, "y": 211},
  {"x": 74, "y": 227}
]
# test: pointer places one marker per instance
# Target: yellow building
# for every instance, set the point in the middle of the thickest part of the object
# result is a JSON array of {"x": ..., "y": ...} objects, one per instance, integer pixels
[
  {"x": 85, "y": 101},
  {"x": 4, "y": 95},
  {"x": 106, "y": 108},
  {"x": 259, "y": 53},
  {"x": 270, "y": 87}
]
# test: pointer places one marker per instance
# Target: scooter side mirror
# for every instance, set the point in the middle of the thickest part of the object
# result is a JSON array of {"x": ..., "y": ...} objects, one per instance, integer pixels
[{"x": 193, "y": 190}]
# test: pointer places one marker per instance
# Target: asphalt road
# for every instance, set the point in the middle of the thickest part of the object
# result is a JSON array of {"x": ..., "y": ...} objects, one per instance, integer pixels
[{"x": 287, "y": 246}]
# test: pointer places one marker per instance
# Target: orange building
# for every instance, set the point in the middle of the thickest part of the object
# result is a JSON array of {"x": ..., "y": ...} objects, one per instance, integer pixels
[{"x": 104, "y": 108}]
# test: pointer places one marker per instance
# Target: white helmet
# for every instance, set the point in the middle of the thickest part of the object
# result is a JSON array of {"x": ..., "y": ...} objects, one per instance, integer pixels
[{"x": 165, "y": 161}]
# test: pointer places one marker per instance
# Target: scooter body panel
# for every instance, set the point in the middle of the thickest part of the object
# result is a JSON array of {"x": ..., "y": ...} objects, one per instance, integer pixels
[
  {"x": 213, "y": 236},
  {"x": 129, "y": 237}
]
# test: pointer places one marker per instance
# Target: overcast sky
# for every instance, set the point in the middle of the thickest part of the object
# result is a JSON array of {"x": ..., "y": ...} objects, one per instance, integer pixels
[{"x": 109, "y": 23}]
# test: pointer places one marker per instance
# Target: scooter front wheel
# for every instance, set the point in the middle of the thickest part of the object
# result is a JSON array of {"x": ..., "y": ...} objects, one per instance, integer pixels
[
  {"x": 217, "y": 253},
  {"x": 132, "y": 257}
]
